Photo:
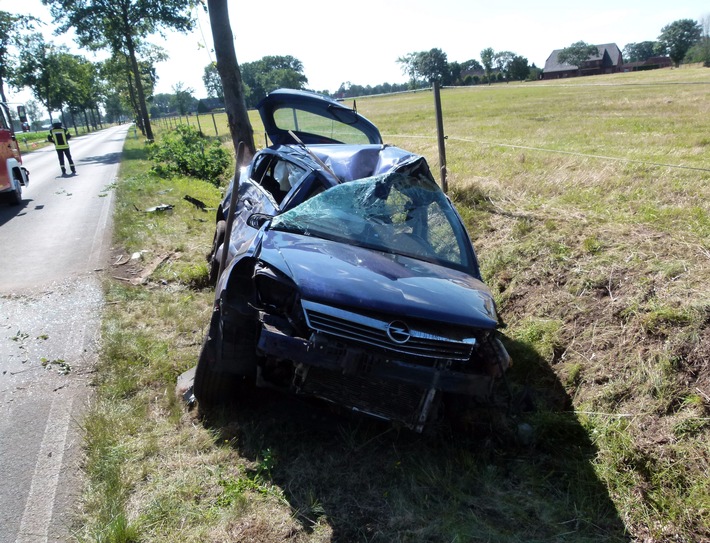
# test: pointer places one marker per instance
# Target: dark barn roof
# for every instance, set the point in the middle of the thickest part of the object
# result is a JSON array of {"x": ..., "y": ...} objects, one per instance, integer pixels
[{"x": 607, "y": 60}]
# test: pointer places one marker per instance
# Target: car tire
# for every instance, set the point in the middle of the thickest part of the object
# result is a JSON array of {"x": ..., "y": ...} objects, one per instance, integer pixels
[
  {"x": 214, "y": 387},
  {"x": 218, "y": 240},
  {"x": 16, "y": 195}
]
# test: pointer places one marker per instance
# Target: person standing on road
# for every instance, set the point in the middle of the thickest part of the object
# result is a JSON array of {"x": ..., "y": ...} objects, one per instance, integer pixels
[{"x": 60, "y": 137}]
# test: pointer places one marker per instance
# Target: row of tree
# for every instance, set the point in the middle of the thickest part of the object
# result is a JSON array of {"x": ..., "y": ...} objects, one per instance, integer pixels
[
  {"x": 61, "y": 80},
  {"x": 425, "y": 67},
  {"x": 123, "y": 85},
  {"x": 684, "y": 40}
]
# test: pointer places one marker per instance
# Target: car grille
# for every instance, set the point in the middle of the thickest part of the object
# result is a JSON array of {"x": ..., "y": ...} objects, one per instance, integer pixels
[{"x": 378, "y": 333}]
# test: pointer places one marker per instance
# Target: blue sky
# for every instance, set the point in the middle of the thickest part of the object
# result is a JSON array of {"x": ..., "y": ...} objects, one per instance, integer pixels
[{"x": 360, "y": 42}]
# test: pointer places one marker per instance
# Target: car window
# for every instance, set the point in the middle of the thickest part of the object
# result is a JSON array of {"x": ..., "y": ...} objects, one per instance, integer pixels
[
  {"x": 330, "y": 130},
  {"x": 277, "y": 176}
]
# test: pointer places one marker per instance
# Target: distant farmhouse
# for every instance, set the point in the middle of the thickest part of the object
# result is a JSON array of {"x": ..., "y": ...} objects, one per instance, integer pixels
[
  {"x": 608, "y": 61},
  {"x": 209, "y": 104},
  {"x": 653, "y": 63}
]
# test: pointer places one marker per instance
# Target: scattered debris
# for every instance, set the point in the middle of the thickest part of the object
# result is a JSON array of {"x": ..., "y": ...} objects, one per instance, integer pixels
[
  {"x": 197, "y": 203},
  {"x": 184, "y": 388},
  {"x": 63, "y": 367},
  {"x": 150, "y": 268},
  {"x": 156, "y": 209},
  {"x": 20, "y": 336}
]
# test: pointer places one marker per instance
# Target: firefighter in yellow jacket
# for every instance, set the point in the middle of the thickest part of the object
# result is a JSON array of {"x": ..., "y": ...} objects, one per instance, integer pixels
[{"x": 60, "y": 137}]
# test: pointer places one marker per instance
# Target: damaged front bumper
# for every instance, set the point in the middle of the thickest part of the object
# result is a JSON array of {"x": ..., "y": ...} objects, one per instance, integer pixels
[{"x": 366, "y": 381}]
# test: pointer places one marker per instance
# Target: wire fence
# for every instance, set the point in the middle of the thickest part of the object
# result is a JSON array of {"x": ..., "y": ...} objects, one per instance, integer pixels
[
  {"x": 214, "y": 124},
  {"x": 209, "y": 124}
]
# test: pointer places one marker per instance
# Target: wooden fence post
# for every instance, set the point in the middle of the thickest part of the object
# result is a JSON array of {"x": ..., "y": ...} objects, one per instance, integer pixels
[{"x": 440, "y": 137}]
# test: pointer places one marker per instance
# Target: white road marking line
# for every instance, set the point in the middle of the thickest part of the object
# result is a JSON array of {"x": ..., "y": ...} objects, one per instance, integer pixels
[{"x": 36, "y": 519}]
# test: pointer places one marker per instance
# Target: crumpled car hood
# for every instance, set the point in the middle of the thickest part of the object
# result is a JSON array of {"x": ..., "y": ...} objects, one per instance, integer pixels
[{"x": 355, "y": 277}]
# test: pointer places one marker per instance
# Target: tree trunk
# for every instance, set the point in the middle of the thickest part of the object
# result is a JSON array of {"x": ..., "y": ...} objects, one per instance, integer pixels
[
  {"x": 228, "y": 69},
  {"x": 133, "y": 100},
  {"x": 140, "y": 95}
]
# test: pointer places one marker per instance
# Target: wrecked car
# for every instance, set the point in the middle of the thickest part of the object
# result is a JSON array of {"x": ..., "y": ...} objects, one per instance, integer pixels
[{"x": 349, "y": 277}]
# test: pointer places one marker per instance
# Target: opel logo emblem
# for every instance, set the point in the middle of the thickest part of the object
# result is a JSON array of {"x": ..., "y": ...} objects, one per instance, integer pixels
[{"x": 398, "y": 332}]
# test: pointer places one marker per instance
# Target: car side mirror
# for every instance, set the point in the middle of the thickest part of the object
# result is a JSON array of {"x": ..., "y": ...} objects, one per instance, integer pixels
[{"x": 257, "y": 220}]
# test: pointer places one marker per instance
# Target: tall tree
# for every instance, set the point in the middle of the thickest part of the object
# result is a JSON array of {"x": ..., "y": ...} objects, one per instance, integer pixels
[
  {"x": 162, "y": 104},
  {"x": 432, "y": 65},
  {"x": 487, "y": 56},
  {"x": 577, "y": 54},
  {"x": 518, "y": 69},
  {"x": 471, "y": 65},
  {"x": 183, "y": 99},
  {"x": 637, "y": 52},
  {"x": 33, "y": 109},
  {"x": 271, "y": 72},
  {"x": 38, "y": 69},
  {"x": 678, "y": 37},
  {"x": 228, "y": 68},
  {"x": 408, "y": 65},
  {"x": 118, "y": 71},
  {"x": 212, "y": 82},
  {"x": 700, "y": 52},
  {"x": 502, "y": 60},
  {"x": 121, "y": 25},
  {"x": 11, "y": 26}
]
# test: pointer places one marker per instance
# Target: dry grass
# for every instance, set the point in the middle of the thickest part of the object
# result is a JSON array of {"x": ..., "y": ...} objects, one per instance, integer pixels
[{"x": 601, "y": 269}]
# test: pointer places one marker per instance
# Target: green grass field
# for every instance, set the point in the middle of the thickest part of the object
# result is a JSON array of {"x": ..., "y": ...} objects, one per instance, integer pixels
[{"x": 588, "y": 201}]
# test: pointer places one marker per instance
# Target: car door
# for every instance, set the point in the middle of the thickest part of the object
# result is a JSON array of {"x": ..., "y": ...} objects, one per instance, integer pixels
[{"x": 262, "y": 189}]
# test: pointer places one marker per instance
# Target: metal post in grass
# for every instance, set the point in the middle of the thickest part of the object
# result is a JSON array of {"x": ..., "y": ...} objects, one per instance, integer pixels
[
  {"x": 199, "y": 126},
  {"x": 440, "y": 137},
  {"x": 216, "y": 132}
]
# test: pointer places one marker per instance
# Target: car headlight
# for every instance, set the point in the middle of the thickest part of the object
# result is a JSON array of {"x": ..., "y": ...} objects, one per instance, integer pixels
[{"x": 275, "y": 292}]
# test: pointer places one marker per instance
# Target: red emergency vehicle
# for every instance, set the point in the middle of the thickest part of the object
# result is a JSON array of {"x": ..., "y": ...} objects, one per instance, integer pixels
[{"x": 13, "y": 176}]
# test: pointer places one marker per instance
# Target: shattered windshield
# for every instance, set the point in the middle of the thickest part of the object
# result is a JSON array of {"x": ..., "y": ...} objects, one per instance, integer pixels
[{"x": 395, "y": 213}]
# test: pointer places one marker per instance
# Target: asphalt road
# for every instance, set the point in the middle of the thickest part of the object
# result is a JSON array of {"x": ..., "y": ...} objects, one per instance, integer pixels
[{"x": 52, "y": 249}]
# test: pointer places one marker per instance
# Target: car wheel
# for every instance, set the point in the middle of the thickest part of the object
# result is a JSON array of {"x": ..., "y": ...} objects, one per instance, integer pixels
[
  {"x": 212, "y": 257},
  {"x": 16, "y": 195},
  {"x": 214, "y": 387}
]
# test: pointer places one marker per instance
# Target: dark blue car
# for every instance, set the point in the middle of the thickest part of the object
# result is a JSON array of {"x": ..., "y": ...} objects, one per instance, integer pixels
[{"x": 348, "y": 277}]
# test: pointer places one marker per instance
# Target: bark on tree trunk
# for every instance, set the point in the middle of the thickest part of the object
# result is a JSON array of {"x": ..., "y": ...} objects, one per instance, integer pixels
[
  {"x": 140, "y": 95},
  {"x": 228, "y": 69}
]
